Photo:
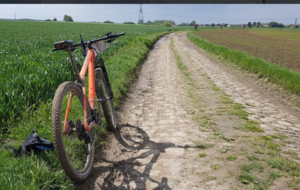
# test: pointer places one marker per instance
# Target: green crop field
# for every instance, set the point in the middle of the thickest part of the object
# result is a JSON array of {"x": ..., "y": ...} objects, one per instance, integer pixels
[
  {"x": 30, "y": 72},
  {"x": 29, "y": 75}
]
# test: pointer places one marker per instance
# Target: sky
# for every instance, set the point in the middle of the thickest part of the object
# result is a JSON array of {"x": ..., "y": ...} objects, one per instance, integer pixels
[{"x": 119, "y": 13}]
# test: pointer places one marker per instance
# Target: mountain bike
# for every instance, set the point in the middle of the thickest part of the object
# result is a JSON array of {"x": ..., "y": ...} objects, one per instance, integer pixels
[{"x": 74, "y": 115}]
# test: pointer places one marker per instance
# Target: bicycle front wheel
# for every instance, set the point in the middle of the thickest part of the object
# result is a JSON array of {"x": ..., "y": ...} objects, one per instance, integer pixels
[
  {"x": 103, "y": 93},
  {"x": 74, "y": 146}
]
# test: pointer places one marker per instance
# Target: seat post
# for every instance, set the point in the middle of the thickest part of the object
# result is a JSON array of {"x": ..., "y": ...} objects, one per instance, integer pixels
[{"x": 76, "y": 72}]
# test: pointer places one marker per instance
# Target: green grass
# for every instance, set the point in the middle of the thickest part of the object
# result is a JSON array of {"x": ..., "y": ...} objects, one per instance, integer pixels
[
  {"x": 32, "y": 172},
  {"x": 292, "y": 167},
  {"x": 284, "y": 77},
  {"x": 29, "y": 58},
  {"x": 201, "y": 155},
  {"x": 30, "y": 71}
]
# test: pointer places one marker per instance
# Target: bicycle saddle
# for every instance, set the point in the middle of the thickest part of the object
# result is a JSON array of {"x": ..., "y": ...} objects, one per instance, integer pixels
[{"x": 63, "y": 44}]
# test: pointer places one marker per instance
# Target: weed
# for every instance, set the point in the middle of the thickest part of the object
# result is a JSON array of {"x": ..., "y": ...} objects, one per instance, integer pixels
[
  {"x": 292, "y": 153},
  {"x": 221, "y": 136},
  {"x": 246, "y": 178},
  {"x": 254, "y": 165},
  {"x": 204, "y": 146},
  {"x": 216, "y": 88},
  {"x": 252, "y": 158},
  {"x": 259, "y": 151},
  {"x": 231, "y": 158},
  {"x": 210, "y": 178},
  {"x": 253, "y": 126},
  {"x": 224, "y": 149},
  {"x": 279, "y": 136},
  {"x": 202, "y": 155},
  {"x": 225, "y": 99},
  {"x": 215, "y": 167},
  {"x": 292, "y": 167}
]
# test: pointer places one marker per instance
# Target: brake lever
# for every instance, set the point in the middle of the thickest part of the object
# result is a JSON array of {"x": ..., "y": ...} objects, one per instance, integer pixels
[{"x": 110, "y": 40}]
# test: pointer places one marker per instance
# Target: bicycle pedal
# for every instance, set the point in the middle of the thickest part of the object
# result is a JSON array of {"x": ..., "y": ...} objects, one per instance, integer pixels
[{"x": 71, "y": 127}]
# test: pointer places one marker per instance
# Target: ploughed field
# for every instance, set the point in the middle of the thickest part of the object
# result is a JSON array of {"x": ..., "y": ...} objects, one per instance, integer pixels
[
  {"x": 30, "y": 72},
  {"x": 280, "y": 47}
]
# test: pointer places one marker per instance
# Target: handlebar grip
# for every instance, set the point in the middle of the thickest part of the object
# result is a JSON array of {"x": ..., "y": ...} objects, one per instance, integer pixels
[{"x": 116, "y": 35}]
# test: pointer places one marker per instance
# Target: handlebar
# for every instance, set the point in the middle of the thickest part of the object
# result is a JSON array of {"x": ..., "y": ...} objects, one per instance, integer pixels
[{"x": 107, "y": 37}]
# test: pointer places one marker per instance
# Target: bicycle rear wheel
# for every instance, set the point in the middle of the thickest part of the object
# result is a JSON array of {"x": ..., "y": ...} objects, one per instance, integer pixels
[
  {"x": 74, "y": 146},
  {"x": 103, "y": 93}
]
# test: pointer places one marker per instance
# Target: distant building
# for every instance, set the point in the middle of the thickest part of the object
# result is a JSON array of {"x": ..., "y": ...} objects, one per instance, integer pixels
[
  {"x": 266, "y": 25},
  {"x": 228, "y": 25}
]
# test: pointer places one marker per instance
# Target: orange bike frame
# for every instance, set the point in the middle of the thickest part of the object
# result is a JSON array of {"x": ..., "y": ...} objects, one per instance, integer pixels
[{"x": 89, "y": 65}]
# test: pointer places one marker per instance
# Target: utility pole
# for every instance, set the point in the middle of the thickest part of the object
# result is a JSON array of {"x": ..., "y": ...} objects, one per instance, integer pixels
[
  {"x": 141, "y": 17},
  {"x": 295, "y": 22}
]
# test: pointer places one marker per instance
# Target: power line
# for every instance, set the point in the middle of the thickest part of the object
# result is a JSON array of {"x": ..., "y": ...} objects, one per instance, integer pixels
[
  {"x": 220, "y": 18},
  {"x": 218, "y": 11},
  {"x": 74, "y": 15}
]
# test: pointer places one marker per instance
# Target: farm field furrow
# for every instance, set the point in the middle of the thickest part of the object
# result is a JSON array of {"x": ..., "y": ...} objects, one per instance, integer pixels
[{"x": 274, "y": 46}]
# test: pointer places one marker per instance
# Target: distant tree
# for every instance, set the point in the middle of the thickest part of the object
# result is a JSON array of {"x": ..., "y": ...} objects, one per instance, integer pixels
[
  {"x": 149, "y": 22},
  {"x": 54, "y": 19},
  {"x": 140, "y": 21},
  {"x": 276, "y": 25},
  {"x": 192, "y": 23},
  {"x": 48, "y": 20},
  {"x": 212, "y": 24},
  {"x": 68, "y": 18},
  {"x": 249, "y": 24},
  {"x": 162, "y": 22},
  {"x": 108, "y": 21},
  {"x": 168, "y": 24},
  {"x": 254, "y": 24},
  {"x": 128, "y": 22},
  {"x": 258, "y": 24}
]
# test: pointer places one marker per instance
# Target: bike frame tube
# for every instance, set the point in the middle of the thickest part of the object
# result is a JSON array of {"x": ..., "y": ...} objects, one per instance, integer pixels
[{"x": 90, "y": 65}]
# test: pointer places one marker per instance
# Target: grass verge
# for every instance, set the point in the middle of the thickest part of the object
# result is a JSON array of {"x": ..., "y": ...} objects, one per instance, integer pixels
[{"x": 284, "y": 77}]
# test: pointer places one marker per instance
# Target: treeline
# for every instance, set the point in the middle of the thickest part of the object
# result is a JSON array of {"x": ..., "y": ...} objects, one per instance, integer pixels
[
  {"x": 188, "y": 24},
  {"x": 159, "y": 22}
]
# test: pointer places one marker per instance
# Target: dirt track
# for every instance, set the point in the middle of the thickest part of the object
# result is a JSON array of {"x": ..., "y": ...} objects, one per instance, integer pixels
[{"x": 165, "y": 124}]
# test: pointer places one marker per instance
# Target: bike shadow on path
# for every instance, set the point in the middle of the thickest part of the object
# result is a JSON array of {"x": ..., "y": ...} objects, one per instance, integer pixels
[{"x": 123, "y": 174}]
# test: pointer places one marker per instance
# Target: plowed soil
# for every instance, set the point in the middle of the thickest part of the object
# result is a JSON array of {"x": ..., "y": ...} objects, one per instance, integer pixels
[{"x": 274, "y": 49}]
